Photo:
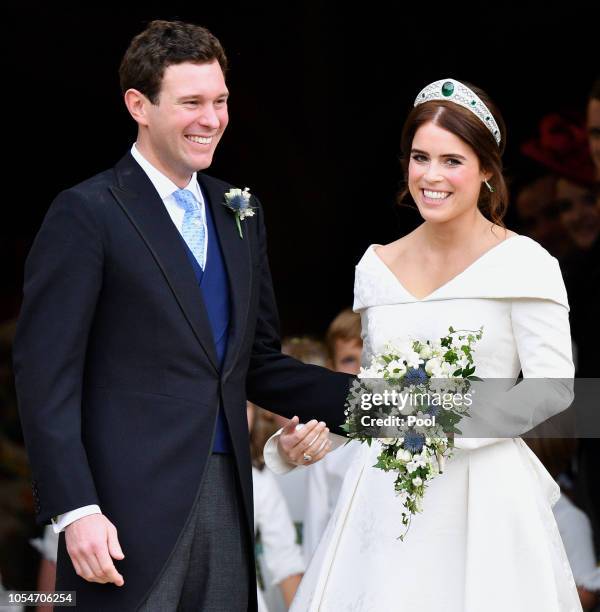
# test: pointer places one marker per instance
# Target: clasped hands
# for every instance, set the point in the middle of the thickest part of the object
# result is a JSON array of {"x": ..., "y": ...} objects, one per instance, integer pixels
[{"x": 303, "y": 444}]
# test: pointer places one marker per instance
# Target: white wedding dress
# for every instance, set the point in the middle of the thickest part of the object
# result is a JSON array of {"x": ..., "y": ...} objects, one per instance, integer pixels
[{"x": 487, "y": 540}]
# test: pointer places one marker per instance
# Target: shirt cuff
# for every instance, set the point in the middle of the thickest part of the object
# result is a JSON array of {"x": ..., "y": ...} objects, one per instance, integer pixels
[
  {"x": 60, "y": 522},
  {"x": 273, "y": 460}
]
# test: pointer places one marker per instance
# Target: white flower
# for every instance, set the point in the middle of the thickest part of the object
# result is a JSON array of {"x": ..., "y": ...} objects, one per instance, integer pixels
[
  {"x": 417, "y": 482},
  {"x": 411, "y": 466},
  {"x": 425, "y": 352},
  {"x": 246, "y": 212},
  {"x": 403, "y": 496},
  {"x": 403, "y": 455},
  {"x": 437, "y": 349},
  {"x": 388, "y": 441},
  {"x": 433, "y": 366},
  {"x": 238, "y": 201},
  {"x": 396, "y": 368},
  {"x": 407, "y": 409},
  {"x": 416, "y": 462},
  {"x": 370, "y": 372}
]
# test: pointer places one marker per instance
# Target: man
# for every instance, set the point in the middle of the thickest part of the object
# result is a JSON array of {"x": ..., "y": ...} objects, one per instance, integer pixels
[{"x": 148, "y": 319}]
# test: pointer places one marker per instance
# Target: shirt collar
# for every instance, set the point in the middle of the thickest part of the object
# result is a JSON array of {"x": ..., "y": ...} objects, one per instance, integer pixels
[{"x": 163, "y": 184}]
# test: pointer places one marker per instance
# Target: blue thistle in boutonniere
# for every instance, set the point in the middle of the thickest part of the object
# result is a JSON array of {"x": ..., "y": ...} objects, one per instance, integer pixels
[{"x": 238, "y": 201}]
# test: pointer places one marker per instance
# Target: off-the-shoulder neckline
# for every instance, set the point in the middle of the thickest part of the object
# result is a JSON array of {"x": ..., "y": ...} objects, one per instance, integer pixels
[{"x": 482, "y": 257}]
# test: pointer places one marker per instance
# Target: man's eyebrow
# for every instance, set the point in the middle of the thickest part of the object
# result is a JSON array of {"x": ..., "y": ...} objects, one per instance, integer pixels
[
  {"x": 225, "y": 94},
  {"x": 458, "y": 156}
]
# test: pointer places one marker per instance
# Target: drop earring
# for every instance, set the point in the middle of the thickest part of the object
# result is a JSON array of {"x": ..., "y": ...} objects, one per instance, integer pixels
[{"x": 489, "y": 186}]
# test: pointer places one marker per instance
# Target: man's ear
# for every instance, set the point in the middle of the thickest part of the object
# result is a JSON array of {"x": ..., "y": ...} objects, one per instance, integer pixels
[{"x": 137, "y": 104}]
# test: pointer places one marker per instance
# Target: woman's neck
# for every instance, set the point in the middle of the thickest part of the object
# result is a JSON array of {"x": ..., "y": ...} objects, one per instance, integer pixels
[{"x": 464, "y": 233}]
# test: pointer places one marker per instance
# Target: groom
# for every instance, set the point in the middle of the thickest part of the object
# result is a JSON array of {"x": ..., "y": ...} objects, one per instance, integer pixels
[{"x": 148, "y": 320}]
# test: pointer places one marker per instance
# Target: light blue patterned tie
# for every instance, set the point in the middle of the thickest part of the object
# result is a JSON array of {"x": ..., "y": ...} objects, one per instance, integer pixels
[{"x": 192, "y": 230}]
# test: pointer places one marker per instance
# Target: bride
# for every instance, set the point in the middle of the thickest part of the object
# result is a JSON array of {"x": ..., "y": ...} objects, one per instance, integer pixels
[{"x": 486, "y": 540}]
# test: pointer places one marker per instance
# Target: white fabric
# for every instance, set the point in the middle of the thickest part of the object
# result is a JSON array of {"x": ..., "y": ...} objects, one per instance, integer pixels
[
  {"x": 165, "y": 188},
  {"x": 277, "y": 464},
  {"x": 324, "y": 482},
  {"x": 576, "y": 532},
  {"x": 47, "y": 545},
  {"x": 63, "y": 520},
  {"x": 281, "y": 555},
  {"x": 487, "y": 538}
]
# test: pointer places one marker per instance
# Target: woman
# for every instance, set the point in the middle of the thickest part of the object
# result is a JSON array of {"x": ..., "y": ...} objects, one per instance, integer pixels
[{"x": 486, "y": 539}]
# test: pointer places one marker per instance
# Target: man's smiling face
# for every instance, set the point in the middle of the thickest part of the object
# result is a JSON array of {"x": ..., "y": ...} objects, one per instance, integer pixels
[{"x": 182, "y": 130}]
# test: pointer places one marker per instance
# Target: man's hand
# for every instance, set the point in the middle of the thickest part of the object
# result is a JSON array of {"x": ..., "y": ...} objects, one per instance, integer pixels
[
  {"x": 91, "y": 542},
  {"x": 304, "y": 444}
]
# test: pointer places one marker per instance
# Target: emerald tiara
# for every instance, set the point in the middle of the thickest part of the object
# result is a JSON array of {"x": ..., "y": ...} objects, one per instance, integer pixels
[{"x": 455, "y": 91}]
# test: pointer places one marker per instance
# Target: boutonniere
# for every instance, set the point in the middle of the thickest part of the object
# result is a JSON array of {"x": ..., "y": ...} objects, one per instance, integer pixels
[{"x": 238, "y": 201}]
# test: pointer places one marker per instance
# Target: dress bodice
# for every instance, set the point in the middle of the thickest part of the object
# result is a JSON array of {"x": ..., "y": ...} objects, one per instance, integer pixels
[{"x": 506, "y": 291}]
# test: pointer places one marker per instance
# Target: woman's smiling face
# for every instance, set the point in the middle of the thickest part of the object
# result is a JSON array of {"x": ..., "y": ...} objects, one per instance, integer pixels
[{"x": 444, "y": 174}]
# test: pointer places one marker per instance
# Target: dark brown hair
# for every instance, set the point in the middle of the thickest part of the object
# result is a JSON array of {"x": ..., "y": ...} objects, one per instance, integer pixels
[
  {"x": 162, "y": 44},
  {"x": 471, "y": 130}
]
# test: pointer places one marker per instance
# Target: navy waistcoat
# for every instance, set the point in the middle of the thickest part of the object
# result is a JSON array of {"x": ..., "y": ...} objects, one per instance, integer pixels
[{"x": 214, "y": 285}]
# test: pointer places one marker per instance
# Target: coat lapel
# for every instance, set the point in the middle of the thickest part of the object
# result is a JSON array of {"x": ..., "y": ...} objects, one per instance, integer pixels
[
  {"x": 236, "y": 253},
  {"x": 141, "y": 203}
]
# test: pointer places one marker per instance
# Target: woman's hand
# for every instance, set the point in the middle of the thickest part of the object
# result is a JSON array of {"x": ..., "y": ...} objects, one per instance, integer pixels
[{"x": 304, "y": 444}]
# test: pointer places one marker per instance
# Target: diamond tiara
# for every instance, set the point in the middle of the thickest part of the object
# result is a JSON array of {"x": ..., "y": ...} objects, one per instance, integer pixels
[{"x": 455, "y": 91}]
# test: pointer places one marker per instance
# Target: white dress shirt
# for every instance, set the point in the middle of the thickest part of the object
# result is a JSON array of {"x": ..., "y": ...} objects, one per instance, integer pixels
[{"x": 165, "y": 188}]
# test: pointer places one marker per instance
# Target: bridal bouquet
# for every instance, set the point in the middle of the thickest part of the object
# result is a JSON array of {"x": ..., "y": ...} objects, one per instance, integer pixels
[{"x": 417, "y": 392}]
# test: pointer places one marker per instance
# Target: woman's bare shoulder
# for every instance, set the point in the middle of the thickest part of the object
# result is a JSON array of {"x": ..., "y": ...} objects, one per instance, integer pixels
[
  {"x": 389, "y": 252},
  {"x": 502, "y": 233}
]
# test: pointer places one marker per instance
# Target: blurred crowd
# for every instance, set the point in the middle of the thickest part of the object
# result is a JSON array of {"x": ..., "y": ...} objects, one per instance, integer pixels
[{"x": 557, "y": 203}]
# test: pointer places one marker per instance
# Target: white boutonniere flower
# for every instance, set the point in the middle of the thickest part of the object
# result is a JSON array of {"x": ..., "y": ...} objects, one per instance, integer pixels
[{"x": 238, "y": 201}]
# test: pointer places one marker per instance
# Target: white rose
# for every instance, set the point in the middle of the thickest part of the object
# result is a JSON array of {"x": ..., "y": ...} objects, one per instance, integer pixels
[
  {"x": 417, "y": 482},
  {"x": 433, "y": 365},
  {"x": 425, "y": 352},
  {"x": 403, "y": 455}
]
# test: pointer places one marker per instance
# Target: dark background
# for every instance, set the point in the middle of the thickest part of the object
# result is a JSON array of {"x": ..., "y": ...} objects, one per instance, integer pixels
[{"x": 318, "y": 97}]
